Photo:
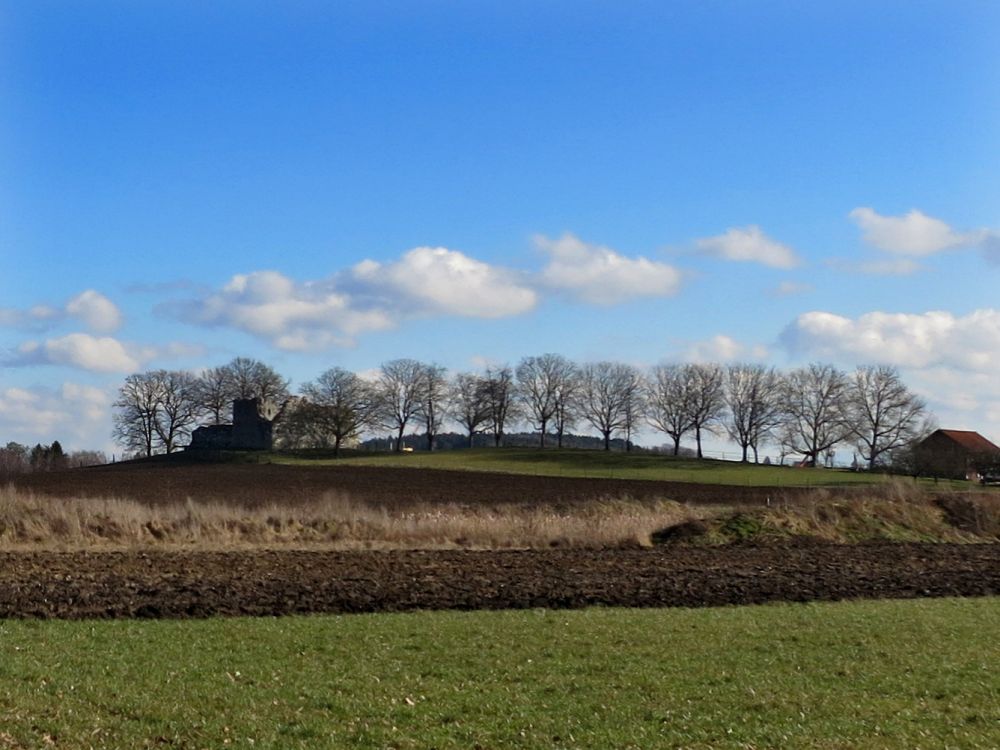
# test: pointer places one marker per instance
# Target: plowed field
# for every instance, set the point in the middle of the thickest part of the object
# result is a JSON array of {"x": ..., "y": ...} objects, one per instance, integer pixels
[
  {"x": 178, "y": 584},
  {"x": 197, "y": 584},
  {"x": 254, "y": 484}
]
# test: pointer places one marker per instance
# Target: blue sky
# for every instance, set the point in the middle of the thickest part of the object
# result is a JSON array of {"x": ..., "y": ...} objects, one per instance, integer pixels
[{"x": 320, "y": 184}]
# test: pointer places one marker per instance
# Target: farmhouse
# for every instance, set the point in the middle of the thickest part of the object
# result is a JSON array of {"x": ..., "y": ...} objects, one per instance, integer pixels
[
  {"x": 956, "y": 454},
  {"x": 252, "y": 428}
]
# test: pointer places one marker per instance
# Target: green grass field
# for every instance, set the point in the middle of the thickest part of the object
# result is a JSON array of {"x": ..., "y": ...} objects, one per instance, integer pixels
[
  {"x": 894, "y": 674},
  {"x": 600, "y": 464}
]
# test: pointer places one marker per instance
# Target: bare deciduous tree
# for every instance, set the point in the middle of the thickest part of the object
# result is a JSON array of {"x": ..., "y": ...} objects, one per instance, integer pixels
[
  {"x": 887, "y": 415},
  {"x": 179, "y": 409},
  {"x": 668, "y": 397},
  {"x": 498, "y": 395},
  {"x": 339, "y": 403},
  {"x": 434, "y": 398},
  {"x": 636, "y": 408},
  {"x": 541, "y": 381},
  {"x": 301, "y": 426},
  {"x": 243, "y": 377},
  {"x": 606, "y": 391},
  {"x": 468, "y": 402},
  {"x": 567, "y": 402},
  {"x": 817, "y": 409},
  {"x": 399, "y": 395},
  {"x": 251, "y": 378},
  {"x": 155, "y": 410},
  {"x": 708, "y": 402},
  {"x": 13, "y": 459},
  {"x": 136, "y": 411},
  {"x": 753, "y": 394},
  {"x": 215, "y": 393}
]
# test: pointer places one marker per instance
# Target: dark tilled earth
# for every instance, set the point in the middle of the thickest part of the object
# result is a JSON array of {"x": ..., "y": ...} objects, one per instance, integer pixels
[
  {"x": 201, "y": 584},
  {"x": 256, "y": 484}
]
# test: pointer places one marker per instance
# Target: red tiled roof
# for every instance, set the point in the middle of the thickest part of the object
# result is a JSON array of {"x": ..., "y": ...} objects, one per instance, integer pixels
[{"x": 971, "y": 441}]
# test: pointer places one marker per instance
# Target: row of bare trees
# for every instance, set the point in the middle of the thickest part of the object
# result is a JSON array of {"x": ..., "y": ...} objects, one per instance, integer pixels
[{"x": 807, "y": 410}]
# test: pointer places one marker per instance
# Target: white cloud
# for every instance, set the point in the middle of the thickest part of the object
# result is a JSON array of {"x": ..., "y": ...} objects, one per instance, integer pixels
[
  {"x": 935, "y": 338},
  {"x": 722, "y": 348},
  {"x": 748, "y": 244},
  {"x": 34, "y": 318},
  {"x": 291, "y": 316},
  {"x": 948, "y": 359},
  {"x": 98, "y": 312},
  {"x": 438, "y": 280},
  {"x": 72, "y": 414},
  {"x": 602, "y": 276},
  {"x": 914, "y": 234},
  {"x": 370, "y": 296},
  {"x": 425, "y": 281},
  {"x": 93, "y": 353}
]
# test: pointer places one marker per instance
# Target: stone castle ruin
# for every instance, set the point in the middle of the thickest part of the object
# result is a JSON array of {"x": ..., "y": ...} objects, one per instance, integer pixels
[{"x": 252, "y": 428}]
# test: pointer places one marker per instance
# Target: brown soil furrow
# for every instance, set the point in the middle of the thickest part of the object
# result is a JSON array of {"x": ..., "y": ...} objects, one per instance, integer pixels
[
  {"x": 199, "y": 584},
  {"x": 263, "y": 484}
]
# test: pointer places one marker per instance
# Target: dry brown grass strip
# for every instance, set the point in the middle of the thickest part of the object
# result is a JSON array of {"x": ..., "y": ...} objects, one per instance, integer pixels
[
  {"x": 894, "y": 511},
  {"x": 29, "y": 521}
]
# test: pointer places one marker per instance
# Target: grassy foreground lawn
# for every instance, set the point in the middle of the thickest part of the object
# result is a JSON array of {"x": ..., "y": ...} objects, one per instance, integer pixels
[
  {"x": 600, "y": 464},
  {"x": 903, "y": 674}
]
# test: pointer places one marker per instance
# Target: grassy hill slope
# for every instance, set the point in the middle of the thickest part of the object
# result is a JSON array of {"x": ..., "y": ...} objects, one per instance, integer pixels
[{"x": 595, "y": 464}]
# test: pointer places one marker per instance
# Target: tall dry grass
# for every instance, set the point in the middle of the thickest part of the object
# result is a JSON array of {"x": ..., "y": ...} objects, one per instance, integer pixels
[
  {"x": 895, "y": 511},
  {"x": 29, "y": 521}
]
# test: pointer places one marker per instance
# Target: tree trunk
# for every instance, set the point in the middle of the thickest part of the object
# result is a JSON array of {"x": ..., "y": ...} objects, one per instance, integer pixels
[
  {"x": 697, "y": 437},
  {"x": 541, "y": 437},
  {"x": 677, "y": 445},
  {"x": 470, "y": 438},
  {"x": 607, "y": 440},
  {"x": 745, "y": 459},
  {"x": 399, "y": 439},
  {"x": 336, "y": 446}
]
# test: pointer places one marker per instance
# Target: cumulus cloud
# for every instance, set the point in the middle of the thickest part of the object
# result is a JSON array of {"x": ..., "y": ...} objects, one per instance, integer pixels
[
  {"x": 96, "y": 311},
  {"x": 438, "y": 280},
  {"x": 370, "y": 296},
  {"x": 72, "y": 414},
  {"x": 935, "y": 338},
  {"x": 92, "y": 308},
  {"x": 748, "y": 244},
  {"x": 425, "y": 281},
  {"x": 289, "y": 315},
  {"x": 94, "y": 353},
  {"x": 913, "y": 234},
  {"x": 602, "y": 276},
  {"x": 35, "y": 318},
  {"x": 722, "y": 348}
]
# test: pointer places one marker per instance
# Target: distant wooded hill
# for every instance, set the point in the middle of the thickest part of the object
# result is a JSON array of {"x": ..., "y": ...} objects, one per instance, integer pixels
[{"x": 456, "y": 441}]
